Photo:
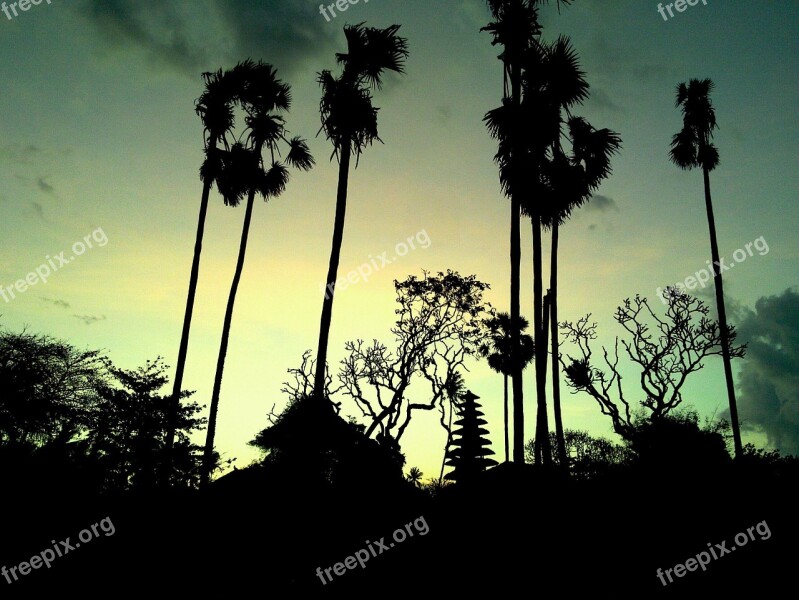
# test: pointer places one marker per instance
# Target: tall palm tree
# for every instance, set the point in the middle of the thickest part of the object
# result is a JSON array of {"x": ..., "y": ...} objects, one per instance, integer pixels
[
  {"x": 215, "y": 109},
  {"x": 692, "y": 147},
  {"x": 515, "y": 27},
  {"x": 572, "y": 179},
  {"x": 499, "y": 349},
  {"x": 349, "y": 121},
  {"x": 552, "y": 81},
  {"x": 263, "y": 97}
]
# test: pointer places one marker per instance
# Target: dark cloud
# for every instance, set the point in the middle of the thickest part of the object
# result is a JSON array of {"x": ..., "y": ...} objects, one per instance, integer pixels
[
  {"x": 37, "y": 208},
  {"x": 601, "y": 203},
  {"x": 44, "y": 186},
  {"x": 204, "y": 35},
  {"x": 286, "y": 34},
  {"x": 443, "y": 114},
  {"x": 19, "y": 153},
  {"x": 156, "y": 27},
  {"x": 769, "y": 380},
  {"x": 89, "y": 319},
  {"x": 59, "y": 303},
  {"x": 601, "y": 99},
  {"x": 613, "y": 62}
]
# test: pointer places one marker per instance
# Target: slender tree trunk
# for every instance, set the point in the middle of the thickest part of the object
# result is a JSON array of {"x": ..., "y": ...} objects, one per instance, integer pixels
[
  {"x": 515, "y": 292},
  {"x": 332, "y": 272},
  {"x": 507, "y": 446},
  {"x": 553, "y": 307},
  {"x": 174, "y": 404},
  {"x": 449, "y": 442},
  {"x": 223, "y": 346},
  {"x": 542, "y": 425},
  {"x": 725, "y": 338}
]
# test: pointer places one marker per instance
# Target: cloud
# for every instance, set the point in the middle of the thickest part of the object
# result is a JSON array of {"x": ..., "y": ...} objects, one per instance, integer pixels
[
  {"x": 156, "y": 27},
  {"x": 89, "y": 319},
  {"x": 286, "y": 34},
  {"x": 204, "y": 35},
  {"x": 443, "y": 114},
  {"x": 769, "y": 380},
  {"x": 601, "y": 99},
  {"x": 599, "y": 203},
  {"x": 59, "y": 303},
  {"x": 44, "y": 186},
  {"x": 18, "y": 153},
  {"x": 37, "y": 208}
]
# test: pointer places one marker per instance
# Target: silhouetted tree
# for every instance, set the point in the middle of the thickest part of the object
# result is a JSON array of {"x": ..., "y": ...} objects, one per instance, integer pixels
[
  {"x": 307, "y": 448},
  {"x": 588, "y": 456},
  {"x": 415, "y": 476},
  {"x": 524, "y": 126},
  {"x": 127, "y": 436},
  {"x": 498, "y": 349},
  {"x": 440, "y": 324},
  {"x": 677, "y": 442},
  {"x": 515, "y": 27},
  {"x": 71, "y": 416},
  {"x": 666, "y": 355},
  {"x": 470, "y": 448},
  {"x": 692, "y": 147},
  {"x": 49, "y": 389},
  {"x": 572, "y": 178},
  {"x": 215, "y": 109},
  {"x": 349, "y": 121},
  {"x": 264, "y": 97}
]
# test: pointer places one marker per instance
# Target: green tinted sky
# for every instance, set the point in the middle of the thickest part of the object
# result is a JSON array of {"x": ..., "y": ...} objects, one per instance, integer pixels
[{"x": 98, "y": 130}]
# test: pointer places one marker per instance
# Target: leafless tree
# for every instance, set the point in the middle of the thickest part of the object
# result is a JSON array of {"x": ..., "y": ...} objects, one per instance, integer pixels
[
  {"x": 440, "y": 324},
  {"x": 665, "y": 354}
]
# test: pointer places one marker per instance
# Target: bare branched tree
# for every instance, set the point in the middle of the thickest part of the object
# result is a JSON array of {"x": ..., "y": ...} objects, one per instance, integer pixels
[
  {"x": 302, "y": 383},
  {"x": 665, "y": 354},
  {"x": 440, "y": 323}
]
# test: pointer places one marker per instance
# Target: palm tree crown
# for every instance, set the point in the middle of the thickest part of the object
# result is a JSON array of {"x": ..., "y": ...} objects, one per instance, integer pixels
[{"x": 691, "y": 146}]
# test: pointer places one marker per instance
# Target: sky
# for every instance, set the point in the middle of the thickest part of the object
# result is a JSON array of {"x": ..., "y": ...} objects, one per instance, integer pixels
[{"x": 100, "y": 145}]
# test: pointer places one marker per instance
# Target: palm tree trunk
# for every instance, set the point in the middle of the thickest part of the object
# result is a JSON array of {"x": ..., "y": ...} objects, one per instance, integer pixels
[
  {"x": 332, "y": 272},
  {"x": 223, "y": 346},
  {"x": 515, "y": 302},
  {"x": 725, "y": 338},
  {"x": 553, "y": 307},
  {"x": 542, "y": 426},
  {"x": 174, "y": 407},
  {"x": 507, "y": 446}
]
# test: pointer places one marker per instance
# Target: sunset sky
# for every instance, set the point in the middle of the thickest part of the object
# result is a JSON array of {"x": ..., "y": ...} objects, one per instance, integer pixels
[{"x": 98, "y": 132}]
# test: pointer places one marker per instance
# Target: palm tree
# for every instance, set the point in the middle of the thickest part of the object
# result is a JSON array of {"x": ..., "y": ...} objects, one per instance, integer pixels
[
  {"x": 498, "y": 350},
  {"x": 515, "y": 27},
  {"x": 573, "y": 179},
  {"x": 263, "y": 97},
  {"x": 415, "y": 476},
  {"x": 215, "y": 109},
  {"x": 692, "y": 147},
  {"x": 349, "y": 121},
  {"x": 552, "y": 82}
]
